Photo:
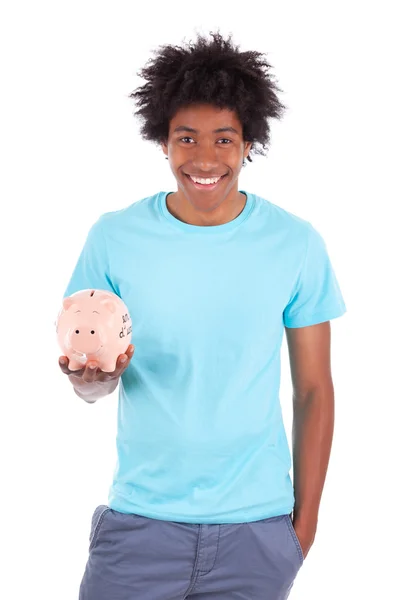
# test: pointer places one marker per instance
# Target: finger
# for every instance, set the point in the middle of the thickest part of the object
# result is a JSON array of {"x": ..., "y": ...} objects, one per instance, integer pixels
[
  {"x": 130, "y": 351},
  {"x": 121, "y": 364},
  {"x": 90, "y": 372},
  {"x": 64, "y": 365},
  {"x": 63, "y": 362}
]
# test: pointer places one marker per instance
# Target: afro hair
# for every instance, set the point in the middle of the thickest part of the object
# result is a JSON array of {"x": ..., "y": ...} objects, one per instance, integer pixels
[{"x": 210, "y": 72}]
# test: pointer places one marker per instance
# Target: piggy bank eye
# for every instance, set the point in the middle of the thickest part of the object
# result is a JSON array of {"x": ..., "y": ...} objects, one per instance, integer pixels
[
  {"x": 92, "y": 332},
  {"x": 77, "y": 331}
]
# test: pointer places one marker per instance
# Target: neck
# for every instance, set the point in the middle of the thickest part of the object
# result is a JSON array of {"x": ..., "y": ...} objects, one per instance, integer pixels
[{"x": 222, "y": 212}]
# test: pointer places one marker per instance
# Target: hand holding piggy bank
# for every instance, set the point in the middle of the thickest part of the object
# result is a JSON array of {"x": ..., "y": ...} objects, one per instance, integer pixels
[{"x": 93, "y": 325}]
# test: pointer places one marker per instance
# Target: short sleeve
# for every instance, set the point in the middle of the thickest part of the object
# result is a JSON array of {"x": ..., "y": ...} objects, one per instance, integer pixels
[
  {"x": 91, "y": 269},
  {"x": 316, "y": 297}
]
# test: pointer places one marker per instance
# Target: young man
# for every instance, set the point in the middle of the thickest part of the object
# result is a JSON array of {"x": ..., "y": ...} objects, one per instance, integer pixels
[{"x": 201, "y": 500}]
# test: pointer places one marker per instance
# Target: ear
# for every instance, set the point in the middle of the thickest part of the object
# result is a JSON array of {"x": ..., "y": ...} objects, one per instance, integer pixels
[
  {"x": 164, "y": 147},
  {"x": 68, "y": 302},
  {"x": 109, "y": 305},
  {"x": 247, "y": 148}
]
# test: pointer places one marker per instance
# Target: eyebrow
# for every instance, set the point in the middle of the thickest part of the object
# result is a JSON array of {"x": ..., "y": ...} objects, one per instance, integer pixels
[{"x": 219, "y": 130}]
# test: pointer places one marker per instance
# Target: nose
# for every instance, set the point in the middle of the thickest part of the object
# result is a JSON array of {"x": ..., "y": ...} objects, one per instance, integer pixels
[{"x": 205, "y": 158}]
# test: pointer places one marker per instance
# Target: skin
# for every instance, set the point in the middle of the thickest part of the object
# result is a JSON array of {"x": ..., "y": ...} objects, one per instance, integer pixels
[
  {"x": 313, "y": 423},
  {"x": 206, "y": 154},
  {"x": 90, "y": 382}
]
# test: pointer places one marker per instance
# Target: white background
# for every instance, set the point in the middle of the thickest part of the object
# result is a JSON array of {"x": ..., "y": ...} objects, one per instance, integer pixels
[{"x": 70, "y": 150}]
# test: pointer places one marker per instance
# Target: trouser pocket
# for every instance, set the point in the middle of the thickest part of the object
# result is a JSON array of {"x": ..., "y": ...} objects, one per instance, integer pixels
[
  {"x": 97, "y": 520},
  {"x": 296, "y": 541}
]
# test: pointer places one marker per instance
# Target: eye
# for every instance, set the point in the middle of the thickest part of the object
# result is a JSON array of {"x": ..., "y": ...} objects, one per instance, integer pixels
[{"x": 220, "y": 140}]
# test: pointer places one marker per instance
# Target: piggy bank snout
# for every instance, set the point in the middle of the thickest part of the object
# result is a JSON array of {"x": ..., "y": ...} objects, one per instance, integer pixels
[
  {"x": 81, "y": 330},
  {"x": 87, "y": 339}
]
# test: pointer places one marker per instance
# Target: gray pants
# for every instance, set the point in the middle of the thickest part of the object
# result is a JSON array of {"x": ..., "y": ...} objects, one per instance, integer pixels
[{"x": 136, "y": 558}]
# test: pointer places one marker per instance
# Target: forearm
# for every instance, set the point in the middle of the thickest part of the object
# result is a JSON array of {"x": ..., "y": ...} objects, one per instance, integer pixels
[
  {"x": 313, "y": 425},
  {"x": 90, "y": 392}
]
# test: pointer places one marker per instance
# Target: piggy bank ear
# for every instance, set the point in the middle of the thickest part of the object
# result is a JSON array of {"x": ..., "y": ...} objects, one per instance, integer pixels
[
  {"x": 108, "y": 305},
  {"x": 68, "y": 302}
]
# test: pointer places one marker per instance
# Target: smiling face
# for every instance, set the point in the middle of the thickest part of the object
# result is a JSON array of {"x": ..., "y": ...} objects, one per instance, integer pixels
[{"x": 206, "y": 142}]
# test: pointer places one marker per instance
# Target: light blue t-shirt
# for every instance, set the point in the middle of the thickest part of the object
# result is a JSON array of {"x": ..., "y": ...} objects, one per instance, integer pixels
[{"x": 200, "y": 436}]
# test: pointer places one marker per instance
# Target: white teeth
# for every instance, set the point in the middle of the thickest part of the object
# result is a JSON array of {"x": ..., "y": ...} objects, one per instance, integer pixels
[{"x": 205, "y": 181}]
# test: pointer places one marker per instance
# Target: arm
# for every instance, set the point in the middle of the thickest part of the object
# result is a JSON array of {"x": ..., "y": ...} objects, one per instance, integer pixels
[{"x": 313, "y": 422}]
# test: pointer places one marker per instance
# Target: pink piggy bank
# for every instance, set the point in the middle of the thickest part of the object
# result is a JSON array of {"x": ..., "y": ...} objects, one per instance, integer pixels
[{"x": 93, "y": 325}]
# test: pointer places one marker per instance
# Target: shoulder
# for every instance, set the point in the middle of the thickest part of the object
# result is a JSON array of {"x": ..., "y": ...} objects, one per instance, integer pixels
[
  {"x": 293, "y": 230},
  {"x": 126, "y": 216},
  {"x": 288, "y": 218}
]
